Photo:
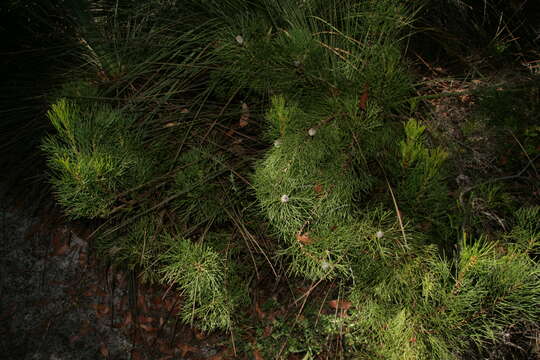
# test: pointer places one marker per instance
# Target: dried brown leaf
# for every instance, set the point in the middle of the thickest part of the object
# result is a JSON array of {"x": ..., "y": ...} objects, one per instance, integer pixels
[
  {"x": 168, "y": 304},
  {"x": 267, "y": 331},
  {"x": 104, "y": 350},
  {"x": 74, "y": 338},
  {"x": 260, "y": 313},
  {"x": 148, "y": 328},
  {"x": 340, "y": 304},
  {"x": 142, "y": 303},
  {"x": 304, "y": 238},
  {"x": 362, "y": 102},
  {"x": 185, "y": 349},
  {"x": 128, "y": 319},
  {"x": 244, "y": 119},
  {"x": 157, "y": 300},
  {"x": 61, "y": 250},
  {"x": 100, "y": 292},
  {"x": 121, "y": 279},
  {"x": 102, "y": 75},
  {"x": 83, "y": 259},
  {"x": 57, "y": 239},
  {"x": 145, "y": 319},
  {"x": 199, "y": 335},
  {"x": 165, "y": 348},
  {"x": 103, "y": 309},
  {"x": 257, "y": 355}
]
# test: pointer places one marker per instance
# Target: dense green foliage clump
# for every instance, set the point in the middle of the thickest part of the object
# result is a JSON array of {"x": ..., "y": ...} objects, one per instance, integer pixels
[
  {"x": 96, "y": 155},
  {"x": 220, "y": 138},
  {"x": 200, "y": 272}
]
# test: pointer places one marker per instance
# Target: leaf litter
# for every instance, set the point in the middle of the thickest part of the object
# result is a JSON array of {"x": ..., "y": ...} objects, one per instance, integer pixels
[{"x": 57, "y": 303}]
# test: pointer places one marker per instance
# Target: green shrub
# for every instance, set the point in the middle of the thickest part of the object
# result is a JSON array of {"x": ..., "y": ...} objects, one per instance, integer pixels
[
  {"x": 323, "y": 180},
  {"x": 431, "y": 308},
  {"x": 96, "y": 155},
  {"x": 422, "y": 191},
  {"x": 200, "y": 273},
  {"x": 525, "y": 234}
]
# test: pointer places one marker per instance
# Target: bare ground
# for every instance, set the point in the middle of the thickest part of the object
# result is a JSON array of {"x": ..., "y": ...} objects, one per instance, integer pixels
[{"x": 57, "y": 303}]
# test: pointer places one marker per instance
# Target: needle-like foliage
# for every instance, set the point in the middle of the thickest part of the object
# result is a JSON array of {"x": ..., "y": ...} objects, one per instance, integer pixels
[
  {"x": 431, "y": 308},
  {"x": 200, "y": 273},
  {"x": 222, "y": 137},
  {"x": 96, "y": 155}
]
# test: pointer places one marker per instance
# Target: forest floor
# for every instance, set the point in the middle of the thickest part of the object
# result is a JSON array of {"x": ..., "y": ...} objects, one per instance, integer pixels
[{"x": 58, "y": 303}]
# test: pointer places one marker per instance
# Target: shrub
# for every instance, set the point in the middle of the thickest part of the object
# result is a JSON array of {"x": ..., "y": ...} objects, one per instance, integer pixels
[
  {"x": 200, "y": 274},
  {"x": 319, "y": 173},
  {"x": 96, "y": 155}
]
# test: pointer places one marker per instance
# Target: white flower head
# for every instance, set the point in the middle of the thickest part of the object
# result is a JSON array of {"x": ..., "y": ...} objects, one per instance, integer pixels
[
  {"x": 325, "y": 265},
  {"x": 296, "y": 63},
  {"x": 312, "y": 132},
  {"x": 239, "y": 39},
  {"x": 379, "y": 234},
  {"x": 284, "y": 198},
  {"x": 278, "y": 143}
]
